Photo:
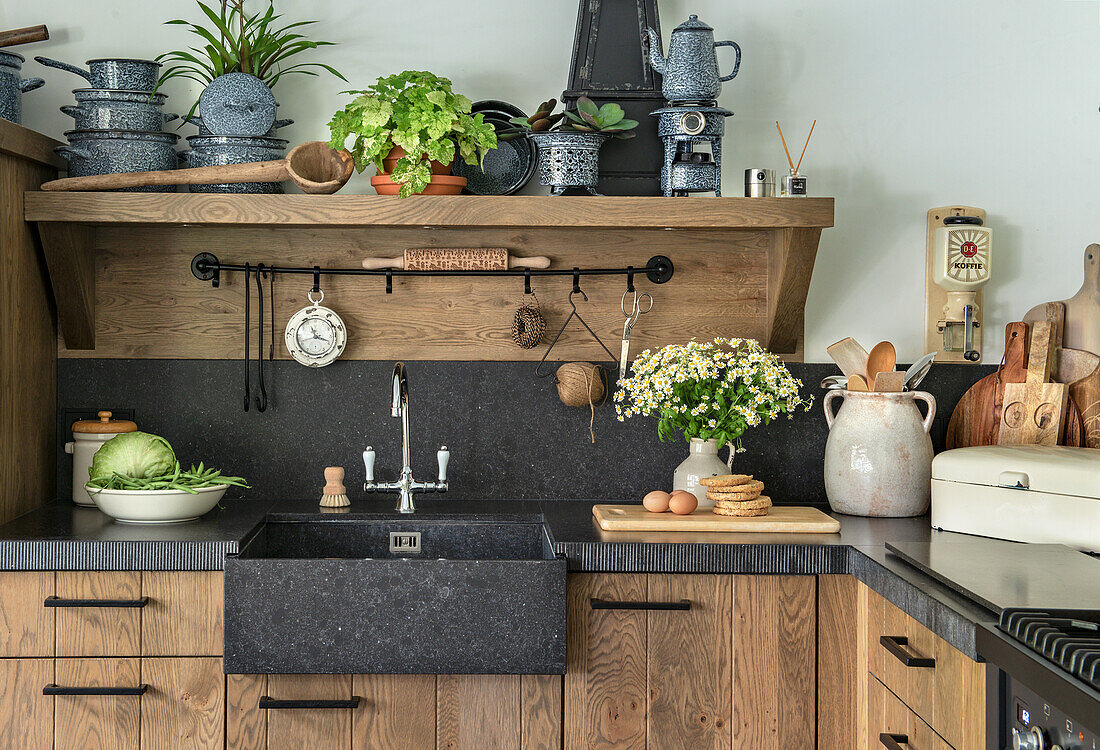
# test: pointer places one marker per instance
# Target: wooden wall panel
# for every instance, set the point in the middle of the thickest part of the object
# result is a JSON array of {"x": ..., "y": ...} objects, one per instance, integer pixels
[
  {"x": 150, "y": 306},
  {"x": 774, "y": 663},
  {"x": 28, "y": 352}
]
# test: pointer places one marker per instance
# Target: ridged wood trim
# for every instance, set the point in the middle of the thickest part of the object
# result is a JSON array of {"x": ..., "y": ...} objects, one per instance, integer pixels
[
  {"x": 185, "y": 704},
  {"x": 184, "y": 614},
  {"x": 26, "y": 627},
  {"x": 435, "y": 211},
  {"x": 774, "y": 661},
  {"x": 98, "y": 631}
]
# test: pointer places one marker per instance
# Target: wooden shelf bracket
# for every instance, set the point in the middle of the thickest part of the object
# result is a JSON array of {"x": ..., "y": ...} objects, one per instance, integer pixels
[{"x": 69, "y": 250}]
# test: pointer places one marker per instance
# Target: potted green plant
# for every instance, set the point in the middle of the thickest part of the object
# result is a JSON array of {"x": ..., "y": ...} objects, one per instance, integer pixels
[
  {"x": 410, "y": 126},
  {"x": 260, "y": 44},
  {"x": 711, "y": 393},
  {"x": 569, "y": 142}
]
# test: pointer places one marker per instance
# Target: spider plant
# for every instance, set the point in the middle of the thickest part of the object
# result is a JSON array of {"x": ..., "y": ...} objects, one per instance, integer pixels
[{"x": 238, "y": 41}]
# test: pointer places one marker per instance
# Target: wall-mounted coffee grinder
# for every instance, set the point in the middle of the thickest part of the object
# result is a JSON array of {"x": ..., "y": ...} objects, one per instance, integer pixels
[
  {"x": 960, "y": 248},
  {"x": 691, "y": 85}
]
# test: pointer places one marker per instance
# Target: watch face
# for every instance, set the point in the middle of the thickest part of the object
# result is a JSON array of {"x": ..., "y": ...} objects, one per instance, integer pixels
[{"x": 316, "y": 336}]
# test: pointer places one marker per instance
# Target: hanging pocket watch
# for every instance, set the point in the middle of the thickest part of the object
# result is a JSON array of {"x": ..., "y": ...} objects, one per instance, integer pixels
[{"x": 316, "y": 335}]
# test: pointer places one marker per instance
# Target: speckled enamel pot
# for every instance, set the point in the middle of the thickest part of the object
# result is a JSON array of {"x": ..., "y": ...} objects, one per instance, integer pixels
[
  {"x": 12, "y": 86},
  {"x": 219, "y": 150},
  {"x": 196, "y": 120},
  {"x": 111, "y": 109},
  {"x": 878, "y": 458},
  {"x": 113, "y": 72},
  {"x": 569, "y": 159},
  {"x": 112, "y": 151}
]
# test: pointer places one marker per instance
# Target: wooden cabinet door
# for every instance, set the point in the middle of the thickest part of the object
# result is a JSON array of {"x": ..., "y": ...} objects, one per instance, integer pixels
[
  {"x": 605, "y": 674},
  {"x": 504, "y": 712},
  {"x": 253, "y": 723},
  {"x": 26, "y": 626},
  {"x": 108, "y": 630},
  {"x": 26, "y": 716},
  {"x": 184, "y": 705},
  {"x": 184, "y": 614},
  {"x": 97, "y": 722},
  {"x": 395, "y": 712},
  {"x": 892, "y": 724},
  {"x": 688, "y": 662}
]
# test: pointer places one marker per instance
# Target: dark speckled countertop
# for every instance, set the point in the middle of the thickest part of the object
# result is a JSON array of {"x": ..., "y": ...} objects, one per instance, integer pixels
[{"x": 60, "y": 536}]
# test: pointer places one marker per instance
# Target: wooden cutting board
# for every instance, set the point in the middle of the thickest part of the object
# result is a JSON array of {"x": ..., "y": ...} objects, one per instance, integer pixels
[
  {"x": 976, "y": 419},
  {"x": 1082, "y": 317},
  {"x": 1035, "y": 410},
  {"x": 1081, "y": 371},
  {"x": 784, "y": 519}
]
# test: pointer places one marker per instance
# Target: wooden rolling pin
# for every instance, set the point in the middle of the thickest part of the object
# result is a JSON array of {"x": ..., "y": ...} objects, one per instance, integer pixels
[
  {"x": 24, "y": 36},
  {"x": 313, "y": 166},
  {"x": 457, "y": 259}
]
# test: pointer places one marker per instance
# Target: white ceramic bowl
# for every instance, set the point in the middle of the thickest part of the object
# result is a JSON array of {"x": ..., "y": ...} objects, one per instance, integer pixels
[{"x": 156, "y": 506}]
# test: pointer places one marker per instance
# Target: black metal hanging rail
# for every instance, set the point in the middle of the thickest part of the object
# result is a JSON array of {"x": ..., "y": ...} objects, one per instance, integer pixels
[{"x": 659, "y": 269}]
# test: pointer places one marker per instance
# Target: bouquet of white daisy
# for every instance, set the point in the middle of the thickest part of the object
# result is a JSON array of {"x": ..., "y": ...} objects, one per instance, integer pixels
[{"x": 714, "y": 390}]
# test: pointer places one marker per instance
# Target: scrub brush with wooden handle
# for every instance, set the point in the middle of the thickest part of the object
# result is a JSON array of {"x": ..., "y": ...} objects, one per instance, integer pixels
[{"x": 335, "y": 495}]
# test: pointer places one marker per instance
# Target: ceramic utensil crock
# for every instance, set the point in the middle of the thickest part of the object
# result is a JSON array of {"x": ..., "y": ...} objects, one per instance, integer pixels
[
  {"x": 702, "y": 462},
  {"x": 878, "y": 458},
  {"x": 88, "y": 436}
]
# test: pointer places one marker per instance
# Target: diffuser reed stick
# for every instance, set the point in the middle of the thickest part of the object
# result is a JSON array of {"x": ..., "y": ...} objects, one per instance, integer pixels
[
  {"x": 796, "y": 168},
  {"x": 784, "y": 140}
]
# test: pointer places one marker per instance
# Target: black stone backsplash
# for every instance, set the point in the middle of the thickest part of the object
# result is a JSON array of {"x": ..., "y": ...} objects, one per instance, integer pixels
[{"x": 509, "y": 435}]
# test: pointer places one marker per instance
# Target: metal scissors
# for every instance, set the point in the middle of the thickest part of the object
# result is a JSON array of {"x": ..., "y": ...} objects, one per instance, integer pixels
[{"x": 640, "y": 305}]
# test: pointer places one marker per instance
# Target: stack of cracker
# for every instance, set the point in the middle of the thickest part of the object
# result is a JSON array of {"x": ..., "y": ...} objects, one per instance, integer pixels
[{"x": 737, "y": 495}]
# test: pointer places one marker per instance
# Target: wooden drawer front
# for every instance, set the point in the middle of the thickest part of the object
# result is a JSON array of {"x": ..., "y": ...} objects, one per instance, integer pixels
[
  {"x": 949, "y": 696},
  {"x": 891, "y": 725},
  {"x": 26, "y": 627},
  {"x": 250, "y": 727},
  {"x": 184, "y": 614},
  {"x": 110, "y": 630},
  {"x": 184, "y": 705},
  {"x": 26, "y": 716},
  {"x": 110, "y": 722}
]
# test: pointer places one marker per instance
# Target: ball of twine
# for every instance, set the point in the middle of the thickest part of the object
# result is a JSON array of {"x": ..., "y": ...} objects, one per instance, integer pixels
[
  {"x": 581, "y": 384},
  {"x": 528, "y": 326}
]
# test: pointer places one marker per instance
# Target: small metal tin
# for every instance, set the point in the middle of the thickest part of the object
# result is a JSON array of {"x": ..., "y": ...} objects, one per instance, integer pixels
[
  {"x": 759, "y": 183},
  {"x": 793, "y": 186}
]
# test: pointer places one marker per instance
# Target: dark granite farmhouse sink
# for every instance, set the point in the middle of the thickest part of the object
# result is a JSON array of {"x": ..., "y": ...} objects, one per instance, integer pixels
[{"x": 376, "y": 594}]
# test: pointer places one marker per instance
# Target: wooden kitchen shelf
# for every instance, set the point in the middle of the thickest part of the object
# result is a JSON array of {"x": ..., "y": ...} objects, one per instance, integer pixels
[
  {"x": 430, "y": 211},
  {"x": 787, "y": 229}
]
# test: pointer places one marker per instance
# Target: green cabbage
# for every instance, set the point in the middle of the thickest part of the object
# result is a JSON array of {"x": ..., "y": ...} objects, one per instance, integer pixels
[{"x": 133, "y": 454}]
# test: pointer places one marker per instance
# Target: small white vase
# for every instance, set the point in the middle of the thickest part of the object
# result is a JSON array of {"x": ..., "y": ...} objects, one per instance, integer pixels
[{"x": 701, "y": 462}]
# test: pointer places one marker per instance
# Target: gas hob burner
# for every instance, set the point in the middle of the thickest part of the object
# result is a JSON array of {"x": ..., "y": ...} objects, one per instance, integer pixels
[{"x": 681, "y": 127}]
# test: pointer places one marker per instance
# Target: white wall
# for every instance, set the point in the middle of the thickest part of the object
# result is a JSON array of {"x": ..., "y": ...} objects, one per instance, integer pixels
[{"x": 922, "y": 103}]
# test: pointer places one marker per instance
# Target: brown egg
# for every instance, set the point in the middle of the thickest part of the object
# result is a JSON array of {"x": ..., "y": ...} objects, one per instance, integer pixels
[
  {"x": 656, "y": 501},
  {"x": 682, "y": 502}
]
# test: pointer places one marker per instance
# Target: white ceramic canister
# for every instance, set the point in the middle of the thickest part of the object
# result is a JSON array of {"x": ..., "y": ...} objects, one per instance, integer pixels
[
  {"x": 878, "y": 458},
  {"x": 88, "y": 436},
  {"x": 702, "y": 461}
]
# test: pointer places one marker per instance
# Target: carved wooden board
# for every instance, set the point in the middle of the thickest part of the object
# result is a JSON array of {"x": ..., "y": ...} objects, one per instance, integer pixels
[{"x": 148, "y": 305}]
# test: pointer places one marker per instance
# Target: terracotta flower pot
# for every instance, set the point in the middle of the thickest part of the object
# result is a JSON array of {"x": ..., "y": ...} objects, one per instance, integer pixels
[
  {"x": 390, "y": 162},
  {"x": 441, "y": 184}
]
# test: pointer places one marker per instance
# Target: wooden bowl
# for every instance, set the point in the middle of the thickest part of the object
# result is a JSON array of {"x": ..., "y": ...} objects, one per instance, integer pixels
[{"x": 441, "y": 184}]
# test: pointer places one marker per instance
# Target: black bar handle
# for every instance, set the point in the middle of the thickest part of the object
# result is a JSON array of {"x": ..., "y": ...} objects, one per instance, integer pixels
[
  {"x": 896, "y": 645},
  {"x": 893, "y": 741},
  {"x": 53, "y": 689},
  {"x": 683, "y": 604},
  {"x": 267, "y": 703},
  {"x": 53, "y": 601}
]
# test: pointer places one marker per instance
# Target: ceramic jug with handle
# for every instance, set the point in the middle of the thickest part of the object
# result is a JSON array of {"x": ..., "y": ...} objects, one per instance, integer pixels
[
  {"x": 691, "y": 68},
  {"x": 878, "y": 458}
]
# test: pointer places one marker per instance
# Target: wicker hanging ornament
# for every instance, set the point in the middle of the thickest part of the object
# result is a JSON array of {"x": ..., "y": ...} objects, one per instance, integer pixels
[{"x": 528, "y": 325}]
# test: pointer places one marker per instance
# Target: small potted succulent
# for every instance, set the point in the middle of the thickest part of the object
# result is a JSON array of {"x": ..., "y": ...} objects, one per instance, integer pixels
[
  {"x": 410, "y": 126},
  {"x": 569, "y": 142}
]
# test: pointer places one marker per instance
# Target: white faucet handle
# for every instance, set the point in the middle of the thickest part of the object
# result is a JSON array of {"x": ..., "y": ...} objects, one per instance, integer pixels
[
  {"x": 368, "y": 462},
  {"x": 443, "y": 456}
]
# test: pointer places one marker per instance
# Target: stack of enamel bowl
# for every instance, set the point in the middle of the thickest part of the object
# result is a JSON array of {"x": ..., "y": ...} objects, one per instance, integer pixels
[
  {"x": 118, "y": 122},
  {"x": 236, "y": 125}
]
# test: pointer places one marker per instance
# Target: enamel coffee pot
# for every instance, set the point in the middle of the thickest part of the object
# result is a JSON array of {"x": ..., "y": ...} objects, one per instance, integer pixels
[{"x": 691, "y": 69}]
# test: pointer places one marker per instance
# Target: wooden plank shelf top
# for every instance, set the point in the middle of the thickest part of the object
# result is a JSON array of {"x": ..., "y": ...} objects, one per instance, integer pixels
[{"x": 166, "y": 209}]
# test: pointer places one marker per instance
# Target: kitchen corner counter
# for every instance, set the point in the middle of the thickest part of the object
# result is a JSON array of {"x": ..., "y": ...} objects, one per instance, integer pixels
[{"x": 60, "y": 536}]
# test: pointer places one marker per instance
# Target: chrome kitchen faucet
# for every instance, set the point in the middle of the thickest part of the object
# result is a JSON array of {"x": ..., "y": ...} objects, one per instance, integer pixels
[{"x": 406, "y": 485}]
